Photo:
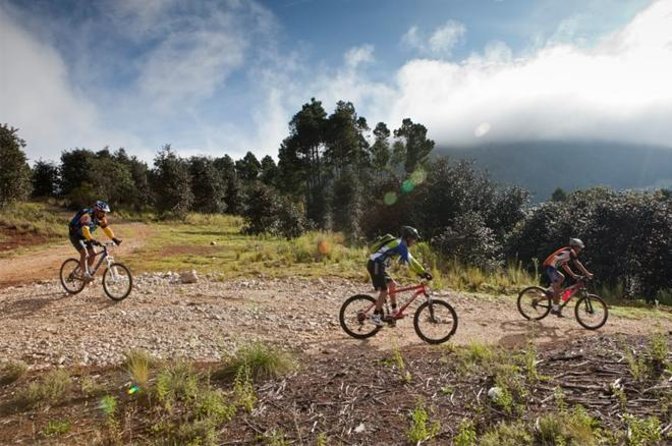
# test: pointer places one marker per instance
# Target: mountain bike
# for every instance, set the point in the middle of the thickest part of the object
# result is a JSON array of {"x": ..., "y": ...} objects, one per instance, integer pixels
[
  {"x": 435, "y": 321},
  {"x": 117, "y": 278},
  {"x": 591, "y": 311}
]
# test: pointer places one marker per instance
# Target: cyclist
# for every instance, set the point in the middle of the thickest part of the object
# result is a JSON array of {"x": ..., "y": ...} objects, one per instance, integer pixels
[
  {"x": 561, "y": 258},
  {"x": 80, "y": 228},
  {"x": 379, "y": 260}
]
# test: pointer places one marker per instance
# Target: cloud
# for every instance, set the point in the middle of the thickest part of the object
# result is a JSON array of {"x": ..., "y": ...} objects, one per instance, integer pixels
[
  {"x": 616, "y": 90},
  {"x": 441, "y": 41},
  {"x": 37, "y": 97}
]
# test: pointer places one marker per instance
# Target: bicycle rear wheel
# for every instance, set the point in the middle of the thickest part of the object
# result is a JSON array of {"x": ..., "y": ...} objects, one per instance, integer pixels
[
  {"x": 533, "y": 303},
  {"x": 71, "y": 276},
  {"x": 355, "y": 314},
  {"x": 435, "y": 322},
  {"x": 117, "y": 281},
  {"x": 591, "y": 311}
]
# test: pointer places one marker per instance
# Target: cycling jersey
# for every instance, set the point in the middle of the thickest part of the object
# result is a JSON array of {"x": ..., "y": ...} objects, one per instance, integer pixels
[
  {"x": 560, "y": 257},
  {"x": 396, "y": 248},
  {"x": 85, "y": 222}
]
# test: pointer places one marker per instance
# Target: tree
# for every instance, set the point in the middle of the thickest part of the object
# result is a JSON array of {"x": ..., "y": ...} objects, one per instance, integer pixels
[
  {"x": 75, "y": 166},
  {"x": 344, "y": 141},
  {"x": 233, "y": 195},
  {"x": 269, "y": 171},
  {"x": 45, "y": 179},
  {"x": 417, "y": 146},
  {"x": 14, "y": 170},
  {"x": 140, "y": 196},
  {"x": 207, "y": 186},
  {"x": 559, "y": 194},
  {"x": 266, "y": 211},
  {"x": 171, "y": 184},
  {"x": 248, "y": 168},
  {"x": 380, "y": 150}
]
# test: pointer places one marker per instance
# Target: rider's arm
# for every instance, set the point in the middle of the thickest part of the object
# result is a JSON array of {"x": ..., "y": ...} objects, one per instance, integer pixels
[
  {"x": 572, "y": 274},
  {"x": 406, "y": 257},
  {"x": 86, "y": 232},
  {"x": 582, "y": 268},
  {"x": 108, "y": 232}
]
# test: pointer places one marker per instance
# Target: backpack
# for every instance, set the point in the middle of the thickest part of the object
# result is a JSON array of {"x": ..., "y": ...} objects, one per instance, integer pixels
[
  {"x": 381, "y": 241},
  {"x": 73, "y": 226}
]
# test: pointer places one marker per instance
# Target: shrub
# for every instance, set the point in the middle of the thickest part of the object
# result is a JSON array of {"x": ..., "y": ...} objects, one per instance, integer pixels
[
  {"x": 51, "y": 389},
  {"x": 262, "y": 361},
  {"x": 11, "y": 371}
]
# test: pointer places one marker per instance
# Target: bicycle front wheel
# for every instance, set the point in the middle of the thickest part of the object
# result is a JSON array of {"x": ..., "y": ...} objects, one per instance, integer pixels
[
  {"x": 71, "y": 276},
  {"x": 117, "y": 281},
  {"x": 435, "y": 322},
  {"x": 533, "y": 303},
  {"x": 355, "y": 314},
  {"x": 591, "y": 311}
]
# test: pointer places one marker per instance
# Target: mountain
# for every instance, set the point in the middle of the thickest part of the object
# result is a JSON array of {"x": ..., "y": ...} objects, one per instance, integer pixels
[{"x": 541, "y": 167}]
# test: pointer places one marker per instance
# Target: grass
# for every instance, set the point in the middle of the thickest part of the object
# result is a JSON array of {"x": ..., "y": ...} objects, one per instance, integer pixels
[
  {"x": 262, "y": 361},
  {"x": 52, "y": 389},
  {"x": 35, "y": 218},
  {"x": 507, "y": 434},
  {"x": 421, "y": 429},
  {"x": 54, "y": 428},
  {"x": 139, "y": 363},
  {"x": 11, "y": 371}
]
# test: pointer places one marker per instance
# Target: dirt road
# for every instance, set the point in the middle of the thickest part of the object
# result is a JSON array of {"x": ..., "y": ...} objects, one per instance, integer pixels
[
  {"x": 44, "y": 263},
  {"x": 42, "y": 326}
]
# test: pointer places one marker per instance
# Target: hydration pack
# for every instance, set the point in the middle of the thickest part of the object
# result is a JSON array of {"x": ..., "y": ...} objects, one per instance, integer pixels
[{"x": 381, "y": 241}]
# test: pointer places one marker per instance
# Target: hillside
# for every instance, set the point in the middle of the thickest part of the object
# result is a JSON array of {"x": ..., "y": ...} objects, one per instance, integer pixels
[{"x": 541, "y": 167}]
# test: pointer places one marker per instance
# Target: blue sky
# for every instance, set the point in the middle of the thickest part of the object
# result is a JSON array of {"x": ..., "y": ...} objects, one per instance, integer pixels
[{"x": 214, "y": 77}]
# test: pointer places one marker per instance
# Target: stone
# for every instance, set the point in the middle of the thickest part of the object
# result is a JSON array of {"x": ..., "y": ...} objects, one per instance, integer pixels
[{"x": 189, "y": 276}]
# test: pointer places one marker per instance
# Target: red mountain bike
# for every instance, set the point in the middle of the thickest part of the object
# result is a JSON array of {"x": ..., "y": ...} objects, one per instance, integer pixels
[
  {"x": 435, "y": 321},
  {"x": 590, "y": 310}
]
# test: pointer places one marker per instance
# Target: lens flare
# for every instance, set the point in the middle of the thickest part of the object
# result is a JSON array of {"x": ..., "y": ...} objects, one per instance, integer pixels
[
  {"x": 390, "y": 198},
  {"x": 407, "y": 186},
  {"x": 133, "y": 389},
  {"x": 323, "y": 247},
  {"x": 418, "y": 176}
]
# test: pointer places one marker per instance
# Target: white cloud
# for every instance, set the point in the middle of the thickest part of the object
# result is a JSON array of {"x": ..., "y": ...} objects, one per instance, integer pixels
[
  {"x": 618, "y": 90},
  {"x": 37, "y": 97},
  {"x": 441, "y": 41},
  {"x": 358, "y": 55}
]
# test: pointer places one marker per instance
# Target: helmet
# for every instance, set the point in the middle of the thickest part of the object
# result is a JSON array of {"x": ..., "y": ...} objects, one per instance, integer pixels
[
  {"x": 410, "y": 232},
  {"x": 576, "y": 243},
  {"x": 101, "y": 205}
]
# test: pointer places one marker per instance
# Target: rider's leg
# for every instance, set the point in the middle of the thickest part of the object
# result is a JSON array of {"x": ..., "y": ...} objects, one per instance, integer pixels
[
  {"x": 557, "y": 289},
  {"x": 82, "y": 260},
  {"x": 92, "y": 257},
  {"x": 391, "y": 287}
]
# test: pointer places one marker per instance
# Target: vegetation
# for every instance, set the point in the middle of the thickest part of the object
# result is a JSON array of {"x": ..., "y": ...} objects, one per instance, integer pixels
[
  {"x": 14, "y": 170},
  {"x": 260, "y": 361},
  {"x": 49, "y": 390},
  {"x": 11, "y": 371},
  {"x": 421, "y": 428}
]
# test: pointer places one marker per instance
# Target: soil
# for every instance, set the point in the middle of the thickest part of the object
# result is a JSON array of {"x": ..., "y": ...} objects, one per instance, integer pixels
[{"x": 44, "y": 263}]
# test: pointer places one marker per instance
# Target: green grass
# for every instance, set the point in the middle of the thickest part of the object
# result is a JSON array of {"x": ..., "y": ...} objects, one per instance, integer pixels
[
  {"x": 55, "y": 428},
  {"x": 139, "y": 364},
  {"x": 262, "y": 362},
  {"x": 421, "y": 428}
]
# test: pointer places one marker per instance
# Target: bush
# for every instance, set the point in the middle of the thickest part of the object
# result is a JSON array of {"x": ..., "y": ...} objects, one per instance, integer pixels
[{"x": 262, "y": 361}]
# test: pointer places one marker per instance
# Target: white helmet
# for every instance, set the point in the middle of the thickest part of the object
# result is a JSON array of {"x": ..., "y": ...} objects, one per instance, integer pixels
[{"x": 576, "y": 243}]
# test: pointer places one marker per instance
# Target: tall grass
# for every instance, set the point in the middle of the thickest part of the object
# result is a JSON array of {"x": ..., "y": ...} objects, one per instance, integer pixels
[{"x": 34, "y": 218}]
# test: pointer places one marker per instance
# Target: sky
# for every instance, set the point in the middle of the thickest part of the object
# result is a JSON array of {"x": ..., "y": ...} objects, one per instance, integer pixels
[{"x": 225, "y": 76}]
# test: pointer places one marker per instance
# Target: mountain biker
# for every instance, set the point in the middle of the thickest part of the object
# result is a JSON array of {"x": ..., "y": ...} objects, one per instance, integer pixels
[
  {"x": 561, "y": 258},
  {"x": 379, "y": 260},
  {"x": 80, "y": 228}
]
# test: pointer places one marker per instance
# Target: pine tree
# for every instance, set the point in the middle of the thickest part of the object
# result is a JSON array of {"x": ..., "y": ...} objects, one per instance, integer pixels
[{"x": 14, "y": 170}]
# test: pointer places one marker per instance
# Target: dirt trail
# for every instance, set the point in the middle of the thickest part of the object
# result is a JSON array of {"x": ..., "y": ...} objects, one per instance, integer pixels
[
  {"x": 43, "y": 326},
  {"x": 44, "y": 263}
]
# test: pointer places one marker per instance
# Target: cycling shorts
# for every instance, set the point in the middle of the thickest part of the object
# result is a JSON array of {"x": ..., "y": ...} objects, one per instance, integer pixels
[
  {"x": 553, "y": 274},
  {"x": 379, "y": 276}
]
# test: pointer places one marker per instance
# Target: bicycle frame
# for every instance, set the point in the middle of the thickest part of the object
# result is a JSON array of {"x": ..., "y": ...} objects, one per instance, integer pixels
[
  {"x": 578, "y": 288},
  {"x": 420, "y": 289},
  {"x": 104, "y": 257}
]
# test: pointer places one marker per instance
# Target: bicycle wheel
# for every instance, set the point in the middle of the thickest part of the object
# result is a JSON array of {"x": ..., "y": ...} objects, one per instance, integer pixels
[
  {"x": 355, "y": 314},
  {"x": 533, "y": 303},
  {"x": 591, "y": 311},
  {"x": 435, "y": 321},
  {"x": 71, "y": 276},
  {"x": 117, "y": 281}
]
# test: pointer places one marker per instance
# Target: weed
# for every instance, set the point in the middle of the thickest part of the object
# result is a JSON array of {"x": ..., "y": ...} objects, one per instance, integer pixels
[
  {"x": 549, "y": 430},
  {"x": 575, "y": 427},
  {"x": 619, "y": 393},
  {"x": 421, "y": 429},
  {"x": 243, "y": 389},
  {"x": 138, "y": 364},
  {"x": 636, "y": 365},
  {"x": 108, "y": 405},
  {"x": 643, "y": 431},
  {"x": 511, "y": 387},
  {"x": 55, "y": 428},
  {"x": 262, "y": 362},
  {"x": 504, "y": 434},
  {"x": 175, "y": 383},
  {"x": 466, "y": 434},
  {"x": 322, "y": 439},
  {"x": 447, "y": 390},
  {"x": 11, "y": 372},
  {"x": 275, "y": 438},
  {"x": 397, "y": 361},
  {"x": 212, "y": 405},
  {"x": 657, "y": 352},
  {"x": 90, "y": 387},
  {"x": 51, "y": 389},
  {"x": 196, "y": 433},
  {"x": 474, "y": 356}
]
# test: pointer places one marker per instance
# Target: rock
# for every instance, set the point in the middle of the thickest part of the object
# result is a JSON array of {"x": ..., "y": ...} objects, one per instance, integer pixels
[
  {"x": 213, "y": 243},
  {"x": 189, "y": 276}
]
